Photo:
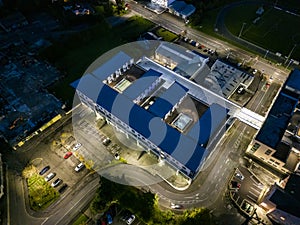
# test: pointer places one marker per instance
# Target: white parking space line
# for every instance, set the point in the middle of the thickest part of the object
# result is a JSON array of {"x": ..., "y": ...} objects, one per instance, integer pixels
[
  {"x": 254, "y": 200},
  {"x": 255, "y": 189},
  {"x": 256, "y": 195}
]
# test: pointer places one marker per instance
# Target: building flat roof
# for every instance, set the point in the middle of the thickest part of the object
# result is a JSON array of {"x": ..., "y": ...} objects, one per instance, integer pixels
[
  {"x": 178, "y": 53},
  {"x": 286, "y": 202},
  {"x": 141, "y": 84},
  {"x": 207, "y": 124},
  {"x": 165, "y": 102},
  {"x": 293, "y": 80},
  {"x": 110, "y": 66},
  {"x": 277, "y": 121},
  {"x": 181, "y": 147},
  {"x": 89, "y": 85},
  {"x": 167, "y": 138}
]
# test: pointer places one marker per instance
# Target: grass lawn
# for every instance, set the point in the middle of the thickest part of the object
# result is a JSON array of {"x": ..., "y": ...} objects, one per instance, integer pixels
[
  {"x": 165, "y": 34},
  {"x": 79, "y": 51},
  {"x": 81, "y": 220},
  {"x": 41, "y": 194},
  {"x": 208, "y": 22},
  {"x": 276, "y": 30}
]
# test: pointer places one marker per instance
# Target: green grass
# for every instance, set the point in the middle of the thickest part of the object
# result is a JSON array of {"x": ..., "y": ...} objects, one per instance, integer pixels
[
  {"x": 81, "y": 220},
  {"x": 41, "y": 194},
  {"x": 165, "y": 34},
  {"x": 74, "y": 55},
  {"x": 208, "y": 22},
  {"x": 276, "y": 30}
]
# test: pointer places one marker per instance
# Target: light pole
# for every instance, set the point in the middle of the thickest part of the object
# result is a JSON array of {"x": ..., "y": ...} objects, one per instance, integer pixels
[
  {"x": 241, "y": 29},
  {"x": 266, "y": 54},
  {"x": 288, "y": 57}
]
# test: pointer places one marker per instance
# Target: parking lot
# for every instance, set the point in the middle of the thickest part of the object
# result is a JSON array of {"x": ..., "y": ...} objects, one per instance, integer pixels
[{"x": 245, "y": 190}]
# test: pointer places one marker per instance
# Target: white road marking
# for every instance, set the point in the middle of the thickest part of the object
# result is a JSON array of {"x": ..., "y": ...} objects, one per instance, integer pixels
[{"x": 251, "y": 198}]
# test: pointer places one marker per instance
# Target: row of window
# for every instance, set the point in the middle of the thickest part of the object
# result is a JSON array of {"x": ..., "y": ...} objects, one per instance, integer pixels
[{"x": 123, "y": 126}]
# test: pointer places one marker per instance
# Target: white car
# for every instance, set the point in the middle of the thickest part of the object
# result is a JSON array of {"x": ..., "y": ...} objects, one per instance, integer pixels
[
  {"x": 77, "y": 146},
  {"x": 79, "y": 167},
  {"x": 50, "y": 176},
  {"x": 130, "y": 219},
  {"x": 56, "y": 182},
  {"x": 240, "y": 176},
  {"x": 176, "y": 206}
]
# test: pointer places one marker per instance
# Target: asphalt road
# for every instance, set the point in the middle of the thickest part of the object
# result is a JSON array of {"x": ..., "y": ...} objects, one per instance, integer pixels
[
  {"x": 16, "y": 203},
  {"x": 208, "y": 187},
  {"x": 177, "y": 25},
  {"x": 74, "y": 203}
]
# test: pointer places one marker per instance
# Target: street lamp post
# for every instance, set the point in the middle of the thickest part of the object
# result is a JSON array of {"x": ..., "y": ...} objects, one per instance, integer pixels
[
  {"x": 288, "y": 57},
  {"x": 241, "y": 29},
  {"x": 266, "y": 54}
]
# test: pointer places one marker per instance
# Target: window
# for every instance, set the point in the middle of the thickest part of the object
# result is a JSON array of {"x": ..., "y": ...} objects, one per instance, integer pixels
[
  {"x": 268, "y": 152},
  {"x": 255, "y": 147}
]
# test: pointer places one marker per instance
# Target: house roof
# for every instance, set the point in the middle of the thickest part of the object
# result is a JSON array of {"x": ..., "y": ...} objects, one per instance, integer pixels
[
  {"x": 182, "y": 8},
  {"x": 12, "y": 20}
]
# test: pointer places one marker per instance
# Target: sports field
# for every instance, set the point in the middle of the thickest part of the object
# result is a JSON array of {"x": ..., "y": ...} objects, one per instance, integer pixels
[{"x": 276, "y": 30}]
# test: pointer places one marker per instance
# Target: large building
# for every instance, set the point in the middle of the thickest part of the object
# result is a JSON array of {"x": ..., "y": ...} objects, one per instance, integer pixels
[
  {"x": 166, "y": 113},
  {"x": 277, "y": 144},
  {"x": 282, "y": 204}
]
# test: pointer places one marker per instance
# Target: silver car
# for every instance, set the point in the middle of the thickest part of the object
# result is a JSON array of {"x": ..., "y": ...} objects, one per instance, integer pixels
[{"x": 50, "y": 176}]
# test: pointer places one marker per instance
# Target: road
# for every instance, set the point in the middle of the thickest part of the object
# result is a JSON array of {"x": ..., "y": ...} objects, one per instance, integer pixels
[
  {"x": 208, "y": 187},
  {"x": 177, "y": 25},
  {"x": 17, "y": 204},
  {"x": 74, "y": 203}
]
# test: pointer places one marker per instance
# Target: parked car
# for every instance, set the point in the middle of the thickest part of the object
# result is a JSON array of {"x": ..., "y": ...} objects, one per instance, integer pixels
[
  {"x": 106, "y": 141},
  {"x": 67, "y": 155},
  {"x": 44, "y": 170},
  {"x": 130, "y": 219},
  {"x": 240, "y": 90},
  {"x": 79, "y": 167},
  {"x": 235, "y": 184},
  {"x": 63, "y": 188},
  {"x": 77, "y": 146},
  {"x": 56, "y": 182},
  {"x": 240, "y": 176},
  {"x": 109, "y": 218},
  {"x": 50, "y": 176},
  {"x": 176, "y": 206}
]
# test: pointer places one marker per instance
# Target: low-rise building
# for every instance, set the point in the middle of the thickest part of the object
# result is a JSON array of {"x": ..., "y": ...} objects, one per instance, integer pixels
[
  {"x": 277, "y": 144},
  {"x": 13, "y": 22},
  {"x": 282, "y": 204},
  {"x": 181, "y": 9}
]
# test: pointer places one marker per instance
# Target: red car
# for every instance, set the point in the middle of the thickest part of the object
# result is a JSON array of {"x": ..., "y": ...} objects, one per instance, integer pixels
[{"x": 67, "y": 155}]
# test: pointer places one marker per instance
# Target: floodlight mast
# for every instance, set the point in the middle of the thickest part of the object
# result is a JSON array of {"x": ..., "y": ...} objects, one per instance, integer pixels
[{"x": 242, "y": 29}]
